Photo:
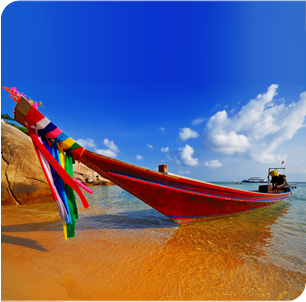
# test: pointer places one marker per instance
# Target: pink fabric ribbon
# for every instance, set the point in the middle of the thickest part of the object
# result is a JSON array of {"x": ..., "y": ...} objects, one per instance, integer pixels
[{"x": 82, "y": 186}]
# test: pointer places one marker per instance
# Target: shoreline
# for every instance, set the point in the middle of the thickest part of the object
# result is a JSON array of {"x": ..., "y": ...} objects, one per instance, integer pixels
[{"x": 108, "y": 183}]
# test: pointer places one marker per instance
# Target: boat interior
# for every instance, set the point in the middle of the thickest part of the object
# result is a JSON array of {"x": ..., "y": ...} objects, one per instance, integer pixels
[{"x": 268, "y": 189}]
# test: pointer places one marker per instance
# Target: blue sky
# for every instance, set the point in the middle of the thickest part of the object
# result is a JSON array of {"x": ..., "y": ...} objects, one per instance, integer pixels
[{"x": 212, "y": 89}]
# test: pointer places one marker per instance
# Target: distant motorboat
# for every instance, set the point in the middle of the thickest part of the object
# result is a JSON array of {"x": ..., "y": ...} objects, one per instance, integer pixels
[{"x": 255, "y": 180}]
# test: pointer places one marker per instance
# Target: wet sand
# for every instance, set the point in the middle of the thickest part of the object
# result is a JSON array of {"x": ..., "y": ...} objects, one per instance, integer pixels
[{"x": 110, "y": 259}]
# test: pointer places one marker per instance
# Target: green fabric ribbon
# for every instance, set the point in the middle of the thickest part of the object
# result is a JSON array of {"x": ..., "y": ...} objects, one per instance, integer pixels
[{"x": 71, "y": 196}]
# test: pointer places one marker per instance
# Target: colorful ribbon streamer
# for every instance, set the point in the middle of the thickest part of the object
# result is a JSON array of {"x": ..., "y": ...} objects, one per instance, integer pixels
[{"x": 56, "y": 153}]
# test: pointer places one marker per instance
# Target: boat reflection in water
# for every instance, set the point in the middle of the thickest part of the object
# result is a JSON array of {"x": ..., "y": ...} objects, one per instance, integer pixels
[
  {"x": 242, "y": 235},
  {"x": 229, "y": 258}
]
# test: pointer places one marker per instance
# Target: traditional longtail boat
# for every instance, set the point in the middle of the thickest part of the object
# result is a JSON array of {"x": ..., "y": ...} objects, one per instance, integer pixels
[{"x": 182, "y": 199}]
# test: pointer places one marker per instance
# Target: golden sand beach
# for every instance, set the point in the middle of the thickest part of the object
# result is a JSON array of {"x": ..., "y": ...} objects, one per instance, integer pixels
[{"x": 113, "y": 258}]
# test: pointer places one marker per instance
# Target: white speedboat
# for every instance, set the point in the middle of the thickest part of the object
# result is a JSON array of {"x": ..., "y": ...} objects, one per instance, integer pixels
[{"x": 255, "y": 180}]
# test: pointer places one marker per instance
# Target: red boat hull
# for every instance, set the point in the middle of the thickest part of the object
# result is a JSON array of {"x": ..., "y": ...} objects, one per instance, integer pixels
[{"x": 181, "y": 199}]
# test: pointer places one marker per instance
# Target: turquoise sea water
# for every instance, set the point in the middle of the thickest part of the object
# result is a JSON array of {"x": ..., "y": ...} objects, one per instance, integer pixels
[
  {"x": 125, "y": 250},
  {"x": 121, "y": 209}
]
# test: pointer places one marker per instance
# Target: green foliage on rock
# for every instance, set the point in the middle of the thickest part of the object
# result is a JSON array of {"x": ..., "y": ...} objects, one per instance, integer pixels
[
  {"x": 5, "y": 116},
  {"x": 23, "y": 129}
]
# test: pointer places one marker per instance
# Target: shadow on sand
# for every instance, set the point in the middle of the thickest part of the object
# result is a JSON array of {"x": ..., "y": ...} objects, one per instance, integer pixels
[
  {"x": 140, "y": 219},
  {"x": 33, "y": 244}
]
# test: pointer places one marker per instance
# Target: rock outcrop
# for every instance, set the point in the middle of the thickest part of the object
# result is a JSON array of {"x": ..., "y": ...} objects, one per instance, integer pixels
[
  {"x": 22, "y": 178},
  {"x": 88, "y": 176}
]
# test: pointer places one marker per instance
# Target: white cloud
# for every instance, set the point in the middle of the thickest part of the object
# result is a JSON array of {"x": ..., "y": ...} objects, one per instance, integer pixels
[
  {"x": 175, "y": 159},
  {"x": 216, "y": 107},
  {"x": 150, "y": 146},
  {"x": 110, "y": 144},
  {"x": 107, "y": 152},
  {"x": 187, "y": 133},
  {"x": 182, "y": 172},
  {"x": 111, "y": 152},
  {"x": 139, "y": 157},
  {"x": 86, "y": 143},
  {"x": 185, "y": 156},
  {"x": 258, "y": 129},
  {"x": 231, "y": 142},
  {"x": 213, "y": 164},
  {"x": 164, "y": 149},
  {"x": 162, "y": 129},
  {"x": 198, "y": 121}
]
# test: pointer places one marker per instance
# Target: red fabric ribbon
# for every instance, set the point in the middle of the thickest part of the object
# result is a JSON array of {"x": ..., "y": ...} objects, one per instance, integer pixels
[
  {"x": 56, "y": 166},
  {"x": 42, "y": 165},
  {"x": 33, "y": 117}
]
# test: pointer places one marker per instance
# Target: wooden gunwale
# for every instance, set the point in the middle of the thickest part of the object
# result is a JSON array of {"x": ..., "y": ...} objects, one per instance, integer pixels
[
  {"x": 280, "y": 196},
  {"x": 107, "y": 164}
]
